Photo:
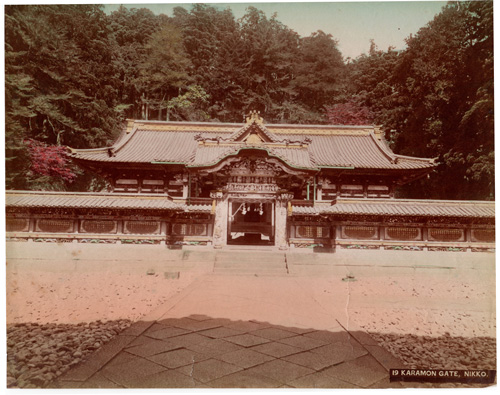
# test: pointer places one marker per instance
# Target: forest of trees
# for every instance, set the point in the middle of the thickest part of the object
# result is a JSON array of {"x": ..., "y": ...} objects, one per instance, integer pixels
[{"x": 73, "y": 73}]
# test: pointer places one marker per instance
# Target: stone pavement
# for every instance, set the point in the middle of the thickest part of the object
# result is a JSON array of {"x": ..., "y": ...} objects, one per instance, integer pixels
[{"x": 238, "y": 331}]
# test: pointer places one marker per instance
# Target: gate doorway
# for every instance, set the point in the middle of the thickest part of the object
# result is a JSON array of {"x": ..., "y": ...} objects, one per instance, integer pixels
[{"x": 250, "y": 222}]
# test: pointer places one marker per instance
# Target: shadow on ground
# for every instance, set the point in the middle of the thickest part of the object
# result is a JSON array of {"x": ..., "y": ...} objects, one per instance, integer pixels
[{"x": 204, "y": 352}]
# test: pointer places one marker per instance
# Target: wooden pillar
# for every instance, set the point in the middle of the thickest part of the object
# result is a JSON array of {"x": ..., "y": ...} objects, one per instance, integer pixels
[
  {"x": 319, "y": 192},
  {"x": 163, "y": 232},
  {"x": 120, "y": 226},
  {"x": 31, "y": 225},
  {"x": 425, "y": 236},
  {"x": 229, "y": 219},
  {"x": 220, "y": 221},
  {"x": 392, "y": 191},
  {"x": 281, "y": 232},
  {"x": 468, "y": 234},
  {"x": 75, "y": 230},
  {"x": 468, "y": 237}
]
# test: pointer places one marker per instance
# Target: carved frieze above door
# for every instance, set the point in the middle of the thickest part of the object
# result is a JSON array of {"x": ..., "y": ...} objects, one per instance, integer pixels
[{"x": 256, "y": 166}]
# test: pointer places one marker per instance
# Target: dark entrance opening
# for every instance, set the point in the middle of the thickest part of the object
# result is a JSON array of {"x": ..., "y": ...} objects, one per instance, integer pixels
[{"x": 251, "y": 223}]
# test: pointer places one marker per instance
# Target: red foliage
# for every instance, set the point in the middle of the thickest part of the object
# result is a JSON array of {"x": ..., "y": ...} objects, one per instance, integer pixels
[
  {"x": 49, "y": 160},
  {"x": 349, "y": 113}
]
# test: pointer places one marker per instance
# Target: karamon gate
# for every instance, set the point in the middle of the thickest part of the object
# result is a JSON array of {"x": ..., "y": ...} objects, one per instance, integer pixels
[{"x": 274, "y": 186}]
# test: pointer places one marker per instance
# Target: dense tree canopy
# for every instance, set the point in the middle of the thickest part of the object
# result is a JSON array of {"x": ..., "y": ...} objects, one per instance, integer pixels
[{"x": 74, "y": 73}]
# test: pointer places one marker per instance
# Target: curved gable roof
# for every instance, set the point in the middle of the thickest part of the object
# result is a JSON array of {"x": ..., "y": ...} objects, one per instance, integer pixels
[{"x": 200, "y": 143}]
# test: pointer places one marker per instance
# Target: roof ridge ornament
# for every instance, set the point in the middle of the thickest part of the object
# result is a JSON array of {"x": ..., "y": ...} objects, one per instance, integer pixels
[{"x": 254, "y": 117}]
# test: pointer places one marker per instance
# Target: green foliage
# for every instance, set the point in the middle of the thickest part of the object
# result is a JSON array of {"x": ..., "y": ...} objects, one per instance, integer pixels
[
  {"x": 60, "y": 85},
  {"x": 435, "y": 99},
  {"x": 163, "y": 70},
  {"x": 320, "y": 71},
  {"x": 72, "y": 74}
]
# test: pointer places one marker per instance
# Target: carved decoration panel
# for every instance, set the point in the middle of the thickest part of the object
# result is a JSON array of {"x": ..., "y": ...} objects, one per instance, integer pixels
[
  {"x": 360, "y": 232},
  {"x": 17, "y": 224},
  {"x": 483, "y": 235},
  {"x": 312, "y": 232},
  {"x": 54, "y": 225},
  {"x": 141, "y": 227},
  {"x": 98, "y": 226},
  {"x": 403, "y": 233},
  {"x": 255, "y": 166},
  {"x": 446, "y": 234},
  {"x": 189, "y": 229}
]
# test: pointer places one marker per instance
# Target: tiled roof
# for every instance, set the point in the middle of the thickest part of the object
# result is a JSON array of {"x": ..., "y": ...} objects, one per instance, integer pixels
[
  {"x": 206, "y": 155},
  {"x": 403, "y": 207},
  {"x": 39, "y": 199},
  {"x": 358, "y": 151},
  {"x": 176, "y": 142}
]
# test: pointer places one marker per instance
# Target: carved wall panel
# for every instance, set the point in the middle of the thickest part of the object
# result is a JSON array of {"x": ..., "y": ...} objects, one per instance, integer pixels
[
  {"x": 403, "y": 233},
  {"x": 189, "y": 229},
  {"x": 54, "y": 225},
  {"x": 17, "y": 224},
  {"x": 312, "y": 232},
  {"x": 98, "y": 226},
  {"x": 360, "y": 232},
  {"x": 444, "y": 234},
  {"x": 141, "y": 227},
  {"x": 483, "y": 235}
]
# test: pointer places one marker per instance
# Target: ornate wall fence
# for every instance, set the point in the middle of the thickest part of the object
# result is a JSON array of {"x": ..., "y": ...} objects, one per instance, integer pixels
[
  {"x": 65, "y": 226},
  {"x": 414, "y": 234},
  {"x": 353, "y": 224}
]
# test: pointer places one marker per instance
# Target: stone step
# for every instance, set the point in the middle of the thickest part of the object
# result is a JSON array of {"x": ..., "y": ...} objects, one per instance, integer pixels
[
  {"x": 250, "y": 257},
  {"x": 250, "y": 263},
  {"x": 248, "y": 271}
]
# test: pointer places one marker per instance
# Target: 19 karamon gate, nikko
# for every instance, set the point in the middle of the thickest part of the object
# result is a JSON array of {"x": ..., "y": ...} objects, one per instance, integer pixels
[{"x": 274, "y": 186}]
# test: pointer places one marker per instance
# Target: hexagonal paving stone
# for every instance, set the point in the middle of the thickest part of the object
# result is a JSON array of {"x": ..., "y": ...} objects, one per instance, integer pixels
[
  {"x": 98, "y": 380},
  {"x": 247, "y": 326},
  {"x": 304, "y": 342},
  {"x": 121, "y": 358},
  {"x": 189, "y": 324},
  {"x": 167, "y": 332},
  {"x": 244, "y": 379},
  {"x": 340, "y": 352},
  {"x": 176, "y": 358},
  {"x": 221, "y": 332},
  {"x": 186, "y": 340},
  {"x": 208, "y": 370},
  {"x": 363, "y": 371},
  {"x": 247, "y": 340},
  {"x": 168, "y": 379},
  {"x": 214, "y": 347},
  {"x": 127, "y": 374},
  {"x": 311, "y": 360},
  {"x": 152, "y": 347},
  {"x": 272, "y": 333},
  {"x": 245, "y": 358},
  {"x": 330, "y": 336},
  {"x": 320, "y": 380},
  {"x": 277, "y": 350},
  {"x": 281, "y": 371}
]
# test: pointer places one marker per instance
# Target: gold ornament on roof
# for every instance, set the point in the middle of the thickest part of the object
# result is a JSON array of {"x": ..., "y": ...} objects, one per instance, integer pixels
[
  {"x": 253, "y": 139},
  {"x": 254, "y": 117}
]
